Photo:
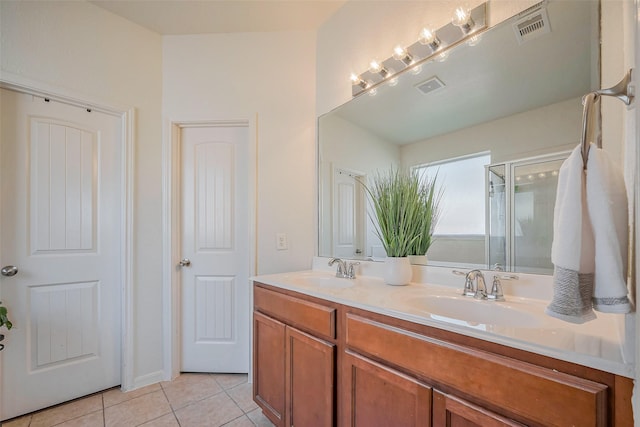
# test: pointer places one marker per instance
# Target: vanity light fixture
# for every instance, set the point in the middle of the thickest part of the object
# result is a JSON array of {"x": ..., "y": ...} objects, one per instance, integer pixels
[
  {"x": 376, "y": 66},
  {"x": 462, "y": 19},
  {"x": 357, "y": 81},
  {"x": 431, "y": 44},
  {"x": 401, "y": 54},
  {"x": 429, "y": 38}
]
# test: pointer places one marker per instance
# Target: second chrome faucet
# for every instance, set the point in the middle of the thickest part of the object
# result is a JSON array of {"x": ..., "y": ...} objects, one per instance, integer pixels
[
  {"x": 478, "y": 289},
  {"x": 345, "y": 270}
]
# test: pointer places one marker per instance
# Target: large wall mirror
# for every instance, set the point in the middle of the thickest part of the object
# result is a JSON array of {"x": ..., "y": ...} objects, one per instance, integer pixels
[{"x": 494, "y": 118}]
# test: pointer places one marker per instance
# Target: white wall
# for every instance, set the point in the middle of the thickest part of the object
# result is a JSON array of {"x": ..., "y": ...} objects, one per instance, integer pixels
[
  {"x": 82, "y": 50},
  {"x": 544, "y": 130},
  {"x": 231, "y": 76}
]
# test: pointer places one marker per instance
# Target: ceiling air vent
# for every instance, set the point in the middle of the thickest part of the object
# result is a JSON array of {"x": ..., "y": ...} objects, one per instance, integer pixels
[
  {"x": 430, "y": 85},
  {"x": 532, "y": 25}
]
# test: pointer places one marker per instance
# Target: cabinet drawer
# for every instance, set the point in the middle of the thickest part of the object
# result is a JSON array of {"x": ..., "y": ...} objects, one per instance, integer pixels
[
  {"x": 537, "y": 394},
  {"x": 305, "y": 315}
]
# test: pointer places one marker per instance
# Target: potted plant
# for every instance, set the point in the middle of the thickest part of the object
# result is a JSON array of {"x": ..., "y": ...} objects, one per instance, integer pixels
[
  {"x": 430, "y": 204},
  {"x": 4, "y": 321},
  {"x": 397, "y": 199}
]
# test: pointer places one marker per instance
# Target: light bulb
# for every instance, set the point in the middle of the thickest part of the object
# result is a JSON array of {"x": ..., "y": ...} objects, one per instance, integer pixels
[
  {"x": 462, "y": 18},
  {"x": 357, "y": 81},
  {"x": 401, "y": 54},
  {"x": 376, "y": 67},
  {"x": 429, "y": 38},
  {"x": 542, "y": 175}
]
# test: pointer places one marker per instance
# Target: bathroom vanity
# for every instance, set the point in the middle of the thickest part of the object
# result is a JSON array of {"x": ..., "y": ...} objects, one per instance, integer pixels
[{"x": 328, "y": 352}]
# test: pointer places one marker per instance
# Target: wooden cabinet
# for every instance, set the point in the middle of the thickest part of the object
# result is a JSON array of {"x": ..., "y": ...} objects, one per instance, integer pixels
[
  {"x": 376, "y": 395},
  {"x": 310, "y": 380},
  {"x": 294, "y": 371},
  {"x": 450, "y": 411},
  {"x": 319, "y": 363}
]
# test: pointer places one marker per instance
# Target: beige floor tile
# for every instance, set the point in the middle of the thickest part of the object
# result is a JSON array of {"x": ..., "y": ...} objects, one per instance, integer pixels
[
  {"x": 138, "y": 410},
  {"x": 227, "y": 381},
  {"x": 189, "y": 388},
  {"x": 168, "y": 420},
  {"x": 18, "y": 422},
  {"x": 243, "y": 396},
  {"x": 259, "y": 419},
  {"x": 67, "y": 411},
  {"x": 213, "y": 412},
  {"x": 94, "y": 419},
  {"x": 243, "y": 421},
  {"x": 115, "y": 395}
]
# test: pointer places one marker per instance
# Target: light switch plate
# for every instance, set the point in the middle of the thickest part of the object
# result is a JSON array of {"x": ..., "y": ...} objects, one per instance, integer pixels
[{"x": 282, "y": 243}]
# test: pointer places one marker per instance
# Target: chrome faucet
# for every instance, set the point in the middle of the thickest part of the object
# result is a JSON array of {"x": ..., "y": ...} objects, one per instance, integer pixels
[
  {"x": 479, "y": 291},
  {"x": 496, "y": 290},
  {"x": 345, "y": 270}
]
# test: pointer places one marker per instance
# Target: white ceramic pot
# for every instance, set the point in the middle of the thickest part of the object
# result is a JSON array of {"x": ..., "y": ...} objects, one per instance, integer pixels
[
  {"x": 418, "y": 259},
  {"x": 397, "y": 271}
]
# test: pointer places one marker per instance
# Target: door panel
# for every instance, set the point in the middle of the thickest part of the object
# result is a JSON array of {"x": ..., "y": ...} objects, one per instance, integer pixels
[
  {"x": 310, "y": 377},
  {"x": 215, "y": 286},
  {"x": 348, "y": 214},
  {"x": 60, "y": 224},
  {"x": 379, "y": 395},
  {"x": 450, "y": 411}
]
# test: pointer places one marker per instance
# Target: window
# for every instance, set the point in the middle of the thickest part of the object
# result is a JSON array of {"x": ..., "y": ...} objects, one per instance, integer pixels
[{"x": 463, "y": 200}]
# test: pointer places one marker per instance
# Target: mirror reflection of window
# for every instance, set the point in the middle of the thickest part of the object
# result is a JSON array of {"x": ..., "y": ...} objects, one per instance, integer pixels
[{"x": 462, "y": 217}]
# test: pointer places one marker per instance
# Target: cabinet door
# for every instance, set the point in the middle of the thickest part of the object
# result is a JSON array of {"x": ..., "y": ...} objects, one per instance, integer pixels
[
  {"x": 269, "y": 367},
  {"x": 450, "y": 411},
  {"x": 310, "y": 377},
  {"x": 375, "y": 395}
]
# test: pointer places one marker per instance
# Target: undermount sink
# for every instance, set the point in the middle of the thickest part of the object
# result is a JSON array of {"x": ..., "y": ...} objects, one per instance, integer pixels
[{"x": 459, "y": 309}]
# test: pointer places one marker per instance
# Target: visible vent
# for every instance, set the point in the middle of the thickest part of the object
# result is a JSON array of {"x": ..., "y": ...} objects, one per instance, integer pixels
[
  {"x": 430, "y": 85},
  {"x": 532, "y": 25}
]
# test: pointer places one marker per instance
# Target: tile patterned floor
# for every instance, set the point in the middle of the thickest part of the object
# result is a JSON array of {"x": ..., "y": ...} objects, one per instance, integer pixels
[{"x": 191, "y": 400}]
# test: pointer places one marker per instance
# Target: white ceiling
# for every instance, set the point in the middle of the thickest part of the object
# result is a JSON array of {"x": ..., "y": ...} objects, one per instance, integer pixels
[{"x": 172, "y": 17}]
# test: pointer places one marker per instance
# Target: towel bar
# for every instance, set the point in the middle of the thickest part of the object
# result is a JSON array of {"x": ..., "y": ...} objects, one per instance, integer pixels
[{"x": 622, "y": 91}]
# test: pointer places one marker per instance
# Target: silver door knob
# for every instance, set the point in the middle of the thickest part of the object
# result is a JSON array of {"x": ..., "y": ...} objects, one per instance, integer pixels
[
  {"x": 9, "y": 271},
  {"x": 186, "y": 262}
]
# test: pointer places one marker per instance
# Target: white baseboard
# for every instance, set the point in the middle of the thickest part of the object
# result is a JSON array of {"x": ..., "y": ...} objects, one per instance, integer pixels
[{"x": 148, "y": 379}]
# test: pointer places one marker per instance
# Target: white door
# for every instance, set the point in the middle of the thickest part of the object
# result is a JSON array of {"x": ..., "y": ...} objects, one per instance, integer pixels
[
  {"x": 215, "y": 285},
  {"x": 60, "y": 226},
  {"x": 348, "y": 214}
]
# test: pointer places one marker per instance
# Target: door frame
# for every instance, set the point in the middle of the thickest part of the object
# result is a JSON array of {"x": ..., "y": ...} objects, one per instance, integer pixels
[
  {"x": 127, "y": 117},
  {"x": 172, "y": 236}
]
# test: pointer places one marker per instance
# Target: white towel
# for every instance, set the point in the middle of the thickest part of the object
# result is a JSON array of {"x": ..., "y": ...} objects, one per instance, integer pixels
[
  {"x": 589, "y": 249},
  {"x": 607, "y": 202},
  {"x": 573, "y": 248}
]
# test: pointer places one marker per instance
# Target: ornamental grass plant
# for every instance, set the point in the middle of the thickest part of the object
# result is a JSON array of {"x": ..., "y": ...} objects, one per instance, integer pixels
[
  {"x": 430, "y": 197},
  {"x": 403, "y": 206}
]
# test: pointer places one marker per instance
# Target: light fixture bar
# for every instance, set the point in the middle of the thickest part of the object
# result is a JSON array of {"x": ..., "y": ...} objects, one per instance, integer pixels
[{"x": 448, "y": 36}]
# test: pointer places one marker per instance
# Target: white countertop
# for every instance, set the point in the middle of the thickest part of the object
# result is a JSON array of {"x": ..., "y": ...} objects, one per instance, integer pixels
[{"x": 518, "y": 322}]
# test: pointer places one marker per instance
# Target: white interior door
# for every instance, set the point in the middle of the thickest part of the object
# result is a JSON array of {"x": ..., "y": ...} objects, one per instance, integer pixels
[
  {"x": 60, "y": 225},
  {"x": 348, "y": 214},
  {"x": 215, "y": 224}
]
